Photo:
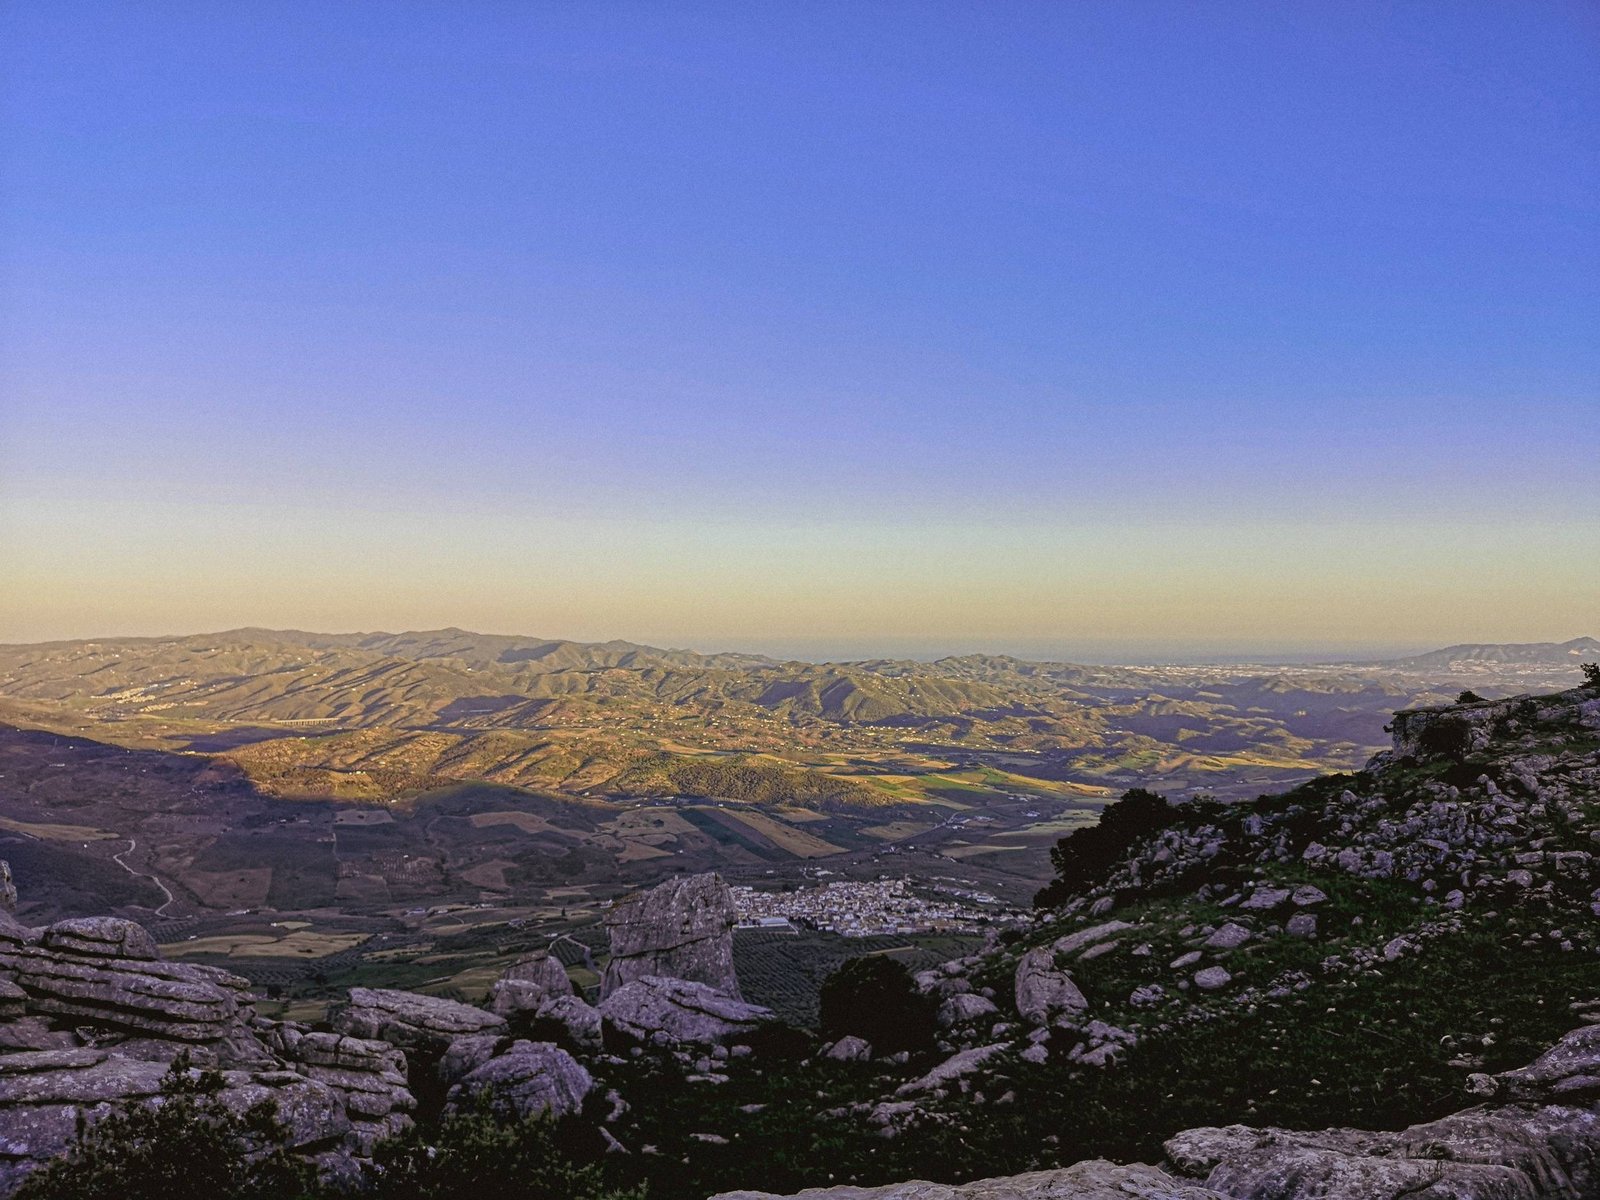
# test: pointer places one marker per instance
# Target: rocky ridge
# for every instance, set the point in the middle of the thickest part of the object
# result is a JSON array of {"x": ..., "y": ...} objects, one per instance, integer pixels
[{"x": 1482, "y": 820}]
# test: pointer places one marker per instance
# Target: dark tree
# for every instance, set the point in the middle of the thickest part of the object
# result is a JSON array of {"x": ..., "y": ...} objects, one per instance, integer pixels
[
  {"x": 1469, "y": 697},
  {"x": 873, "y": 997},
  {"x": 1086, "y": 856},
  {"x": 1591, "y": 674}
]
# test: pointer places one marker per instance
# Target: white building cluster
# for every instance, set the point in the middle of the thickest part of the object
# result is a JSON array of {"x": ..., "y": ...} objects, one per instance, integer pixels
[{"x": 856, "y": 909}]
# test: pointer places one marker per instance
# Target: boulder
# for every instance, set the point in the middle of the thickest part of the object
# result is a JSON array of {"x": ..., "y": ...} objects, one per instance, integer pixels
[
  {"x": 678, "y": 1010},
  {"x": 1212, "y": 978},
  {"x": 849, "y": 1049},
  {"x": 104, "y": 937},
  {"x": 581, "y": 1021},
  {"x": 527, "y": 983},
  {"x": 183, "y": 1002},
  {"x": 411, "y": 1022},
  {"x": 1096, "y": 1179},
  {"x": 1046, "y": 995},
  {"x": 529, "y": 1077},
  {"x": 1229, "y": 937},
  {"x": 681, "y": 929},
  {"x": 958, "y": 1010},
  {"x": 1302, "y": 925},
  {"x": 1264, "y": 899}
]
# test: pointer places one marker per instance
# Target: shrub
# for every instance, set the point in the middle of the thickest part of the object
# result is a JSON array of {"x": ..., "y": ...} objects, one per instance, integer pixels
[
  {"x": 1469, "y": 697},
  {"x": 482, "y": 1153},
  {"x": 873, "y": 997},
  {"x": 1591, "y": 674},
  {"x": 188, "y": 1144},
  {"x": 1086, "y": 856}
]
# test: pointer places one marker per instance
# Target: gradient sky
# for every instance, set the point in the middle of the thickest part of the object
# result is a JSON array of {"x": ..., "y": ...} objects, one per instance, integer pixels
[{"x": 850, "y": 327}]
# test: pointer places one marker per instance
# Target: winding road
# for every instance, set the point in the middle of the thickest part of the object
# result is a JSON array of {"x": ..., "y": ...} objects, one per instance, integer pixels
[{"x": 165, "y": 891}]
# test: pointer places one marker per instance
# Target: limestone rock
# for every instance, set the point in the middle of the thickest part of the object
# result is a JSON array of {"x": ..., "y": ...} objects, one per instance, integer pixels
[
  {"x": 43, "y": 1094},
  {"x": 410, "y": 1021},
  {"x": 179, "y": 1001},
  {"x": 955, "y": 1067},
  {"x": 1046, "y": 995},
  {"x": 107, "y": 937},
  {"x": 1211, "y": 978},
  {"x": 1265, "y": 898},
  {"x": 1073, "y": 942},
  {"x": 681, "y": 929},
  {"x": 958, "y": 1010},
  {"x": 529, "y": 1077},
  {"x": 1092, "y": 1180},
  {"x": 528, "y": 983},
  {"x": 1569, "y": 1070},
  {"x": 1302, "y": 925},
  {"x": 849, "y": 1049},
  {"x": 582, "y": 1021},
  {"x": 1474, "y": 1155},
  {"x": 679, "y": 1010},
  {"x": 1229, "y": 937}
]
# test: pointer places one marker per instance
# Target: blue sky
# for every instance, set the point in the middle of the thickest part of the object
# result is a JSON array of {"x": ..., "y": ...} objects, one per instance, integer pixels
[{"x": 759, "y": 324}]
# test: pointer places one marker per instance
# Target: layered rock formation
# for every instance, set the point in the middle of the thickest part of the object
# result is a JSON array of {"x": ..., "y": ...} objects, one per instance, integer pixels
[
  {"x": 681, "y": 929},
  {"x": 527, "y": 984},
  {"x": 409, "y": 1021},
  {"x": 677, "y": 1010},
  {"x": 106, "y": 972},
  {"x": 91, "y": 1018}
]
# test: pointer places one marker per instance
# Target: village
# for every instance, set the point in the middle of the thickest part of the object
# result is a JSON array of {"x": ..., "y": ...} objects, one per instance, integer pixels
[{"x": 865, "y": 909}]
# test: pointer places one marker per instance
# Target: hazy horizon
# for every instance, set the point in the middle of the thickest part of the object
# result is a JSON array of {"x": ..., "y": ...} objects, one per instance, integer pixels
[
  {"x": 1088, "y": 651},
  {"x": 1100, "y": 324}
]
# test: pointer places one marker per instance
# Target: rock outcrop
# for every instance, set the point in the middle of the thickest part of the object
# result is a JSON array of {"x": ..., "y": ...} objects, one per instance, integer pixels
[
  {"x": 527, "y": 984},
  {"x": 681, "y": 929},
  {"x": 106, "y": 972},
  {"x": 369, "y": 1078},
  {"x": 92, "y": 1018},
  {"x": 43, "y": 1094},
  {"x": 411, "y": 1022},
  {"x": 528, "y": 1077},
  {"x": 664, "y": 1010},
  {"x": 1046, "y": 995},
  {"x": 1093, "y": 1180}
]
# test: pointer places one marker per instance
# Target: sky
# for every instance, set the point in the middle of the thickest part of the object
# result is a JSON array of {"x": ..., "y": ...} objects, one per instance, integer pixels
[{"x": 1118, "y": 329}]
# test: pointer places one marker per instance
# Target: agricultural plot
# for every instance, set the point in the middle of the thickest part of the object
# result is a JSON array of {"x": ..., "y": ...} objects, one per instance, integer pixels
[{"x": 295, "y": 943}]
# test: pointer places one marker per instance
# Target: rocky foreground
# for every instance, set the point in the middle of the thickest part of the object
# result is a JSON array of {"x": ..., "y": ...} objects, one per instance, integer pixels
[{"x": 1461, "y": 866}]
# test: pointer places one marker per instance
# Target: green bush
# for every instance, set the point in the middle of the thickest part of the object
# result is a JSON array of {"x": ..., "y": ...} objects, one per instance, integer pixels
[
  {"x": 484, "y": 1153},
  {"x": 187, "y": 1144},
  {"x": 873, "y": 997},
  {"x": 1086, "y": 856}
]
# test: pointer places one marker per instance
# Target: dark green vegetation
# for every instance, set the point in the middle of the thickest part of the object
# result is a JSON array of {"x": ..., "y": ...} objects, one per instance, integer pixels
[
  {"x": 487, "y": 1152},
  {"x": 1082, "y": 858},
  {"x": 1379, "y": 1059},
  {"x": 188, "y": 1145},
  {"x": 786, "y": 971},
  {"x": 192, "y": 1145},
  {"x": 874, "y": 998}
]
